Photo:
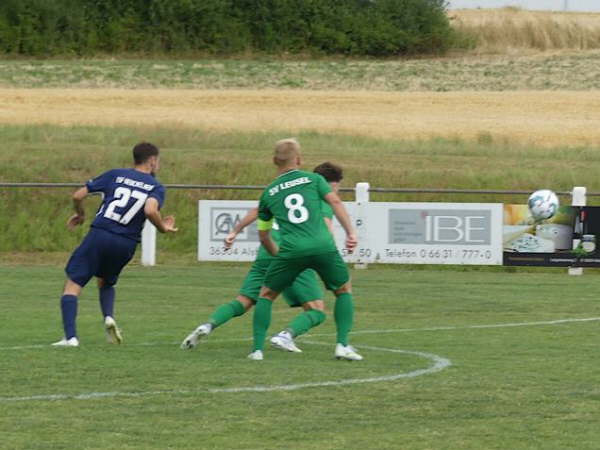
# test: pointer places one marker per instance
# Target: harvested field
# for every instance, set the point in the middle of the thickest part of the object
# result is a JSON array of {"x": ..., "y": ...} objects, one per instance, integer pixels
[
  {"x": 537, "y": 118},
  {"x": 571, "y": 70}
]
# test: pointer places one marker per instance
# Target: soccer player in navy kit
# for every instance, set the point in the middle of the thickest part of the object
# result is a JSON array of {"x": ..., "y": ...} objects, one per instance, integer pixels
[{"x": 130, "y": 196}]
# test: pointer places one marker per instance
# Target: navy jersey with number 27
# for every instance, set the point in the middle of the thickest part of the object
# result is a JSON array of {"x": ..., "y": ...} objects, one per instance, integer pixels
[{"x": 125, "y": 193}]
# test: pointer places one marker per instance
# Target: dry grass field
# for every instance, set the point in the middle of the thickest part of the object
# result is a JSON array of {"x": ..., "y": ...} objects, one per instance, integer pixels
[
  {"x": 513, "y": 30},
  {"x": 543, "y": 99},
  {"x": 538, "y": 118}
]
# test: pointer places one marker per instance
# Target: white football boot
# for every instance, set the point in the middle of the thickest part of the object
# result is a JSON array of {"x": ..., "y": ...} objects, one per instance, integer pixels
[
  {"x": 64, "y": 342},
  {"x": 347, "y": 352},
  {"x": 256, "y": 355},
  {"x": 113, "y": 333},
  {"x": 192, "y": 340},
  {"x": 284, "y": 341}
]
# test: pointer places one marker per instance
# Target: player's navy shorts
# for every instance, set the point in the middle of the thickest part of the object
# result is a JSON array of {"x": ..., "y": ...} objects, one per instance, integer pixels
[{"x": 101, "y": 254}]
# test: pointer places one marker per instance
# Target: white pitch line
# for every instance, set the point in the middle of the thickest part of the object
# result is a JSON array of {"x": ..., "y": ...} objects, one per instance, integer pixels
[
  {"x": 138, "y": 344},
  {"x": 390, "y": 331},
  {"x": 468, "y": 327},
  {"x": 26, "y": 347},
  {"x": 90, "y": 395},
  {"x": 439, "y": 364}
]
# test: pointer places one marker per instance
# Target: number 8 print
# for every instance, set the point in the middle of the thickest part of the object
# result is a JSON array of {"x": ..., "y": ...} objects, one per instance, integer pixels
[{"x": 294, "y": 203}]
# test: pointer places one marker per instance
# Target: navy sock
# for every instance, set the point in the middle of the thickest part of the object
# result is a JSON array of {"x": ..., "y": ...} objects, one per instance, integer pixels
[
  {"x": 68, "y": 306},
  {"x": 107, "y": 300}
]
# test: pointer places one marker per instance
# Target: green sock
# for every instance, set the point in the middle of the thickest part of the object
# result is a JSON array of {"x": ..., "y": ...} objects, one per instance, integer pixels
[
  {"x": 344, "y": 316},
  {"x": 305, "y": 321},
  {"x": 261, "y": 321},
  {"x": 226, "y": 312}
]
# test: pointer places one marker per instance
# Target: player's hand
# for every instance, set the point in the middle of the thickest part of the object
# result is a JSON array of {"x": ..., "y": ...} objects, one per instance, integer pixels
[
  {"x": 75, "y": 220},
  {"x": 351, "y": 242},
  {"x": 169, "y": 224},
  {"x": 230, "y": 239}
]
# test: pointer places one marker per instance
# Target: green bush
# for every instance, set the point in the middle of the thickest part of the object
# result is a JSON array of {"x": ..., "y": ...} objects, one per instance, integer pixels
[{"x": 349, "y": 27}]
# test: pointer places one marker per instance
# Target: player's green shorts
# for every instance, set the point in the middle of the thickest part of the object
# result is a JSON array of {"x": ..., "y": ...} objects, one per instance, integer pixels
[
  {"x": 305, "y": 287},
  {"x": 330, "y": 267}
]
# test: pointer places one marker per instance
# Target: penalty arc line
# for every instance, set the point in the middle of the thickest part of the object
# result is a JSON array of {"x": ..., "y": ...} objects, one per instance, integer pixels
[{"x": 439, "y": 364}]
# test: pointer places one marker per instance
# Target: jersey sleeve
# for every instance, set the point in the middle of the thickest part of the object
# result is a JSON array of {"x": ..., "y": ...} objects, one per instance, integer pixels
[
  {"x": 159, "y": 194},
  {"x": 323, "y": 186},
  {"x": 100, "y": 183},
  {"x": 264, "y": 212}
]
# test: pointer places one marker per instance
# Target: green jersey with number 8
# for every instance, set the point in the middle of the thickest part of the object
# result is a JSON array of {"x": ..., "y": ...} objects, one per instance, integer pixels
[{"x": 295, "y": 199}]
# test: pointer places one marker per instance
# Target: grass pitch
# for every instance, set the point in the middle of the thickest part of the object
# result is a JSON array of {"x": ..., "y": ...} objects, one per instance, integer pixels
[{"x": 522, "y": 380}]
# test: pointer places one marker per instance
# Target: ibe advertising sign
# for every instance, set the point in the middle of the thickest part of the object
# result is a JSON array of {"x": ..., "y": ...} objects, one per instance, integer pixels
[
  {"x": 430, "y": 233},
  {"x": 400, "y": 233}
]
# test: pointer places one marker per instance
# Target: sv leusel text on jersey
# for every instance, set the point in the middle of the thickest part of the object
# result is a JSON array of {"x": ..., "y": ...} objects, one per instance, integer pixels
[{"x": 288, "y": 184}]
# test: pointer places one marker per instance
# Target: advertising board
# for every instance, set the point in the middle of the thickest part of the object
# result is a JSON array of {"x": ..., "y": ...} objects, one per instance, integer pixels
[{"x": 397, "y": 233}]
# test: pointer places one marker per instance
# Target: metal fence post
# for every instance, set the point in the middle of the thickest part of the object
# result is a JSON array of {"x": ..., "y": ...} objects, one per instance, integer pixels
[
  {"x": 362, "y": 200},
  {"x": 578, "y": 199}
]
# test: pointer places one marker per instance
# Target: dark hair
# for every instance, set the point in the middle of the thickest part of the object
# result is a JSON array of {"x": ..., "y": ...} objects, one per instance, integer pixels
[
  {"x": 143, "y": 151},
  {"x": 331, "y": 172}
]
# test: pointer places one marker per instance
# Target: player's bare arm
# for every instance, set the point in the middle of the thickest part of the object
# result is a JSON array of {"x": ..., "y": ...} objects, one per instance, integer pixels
[
  {"x": 79, "y": 217},
  {"x": 237, "y": 229},
  {"x": 340, "y": 212},
  {"x": 152, "y": 211},
  {"x": 267, "y": 242},
  {"x": 329, "y": 224}
]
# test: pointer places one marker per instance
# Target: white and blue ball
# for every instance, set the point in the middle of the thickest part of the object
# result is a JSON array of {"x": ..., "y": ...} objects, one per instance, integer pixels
[{"x": 543, "y": 204}]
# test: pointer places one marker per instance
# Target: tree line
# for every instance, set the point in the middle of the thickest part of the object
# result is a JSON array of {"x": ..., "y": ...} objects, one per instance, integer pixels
[{"x": 377, "y": 28}]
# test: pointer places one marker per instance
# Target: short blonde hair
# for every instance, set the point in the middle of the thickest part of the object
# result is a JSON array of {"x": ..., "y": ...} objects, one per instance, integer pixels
[{"x": 285, "y": 151}]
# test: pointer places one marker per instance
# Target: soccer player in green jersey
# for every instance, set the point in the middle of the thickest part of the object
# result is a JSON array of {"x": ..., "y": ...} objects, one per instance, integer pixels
[
  {"x": 294, "y": 200},
  {"x": 284, "y": 340},
  {"x": 304, "y": 292}
]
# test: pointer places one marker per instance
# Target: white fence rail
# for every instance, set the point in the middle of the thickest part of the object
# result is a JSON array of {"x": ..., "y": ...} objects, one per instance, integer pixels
[{"x": 219, "y": 187}]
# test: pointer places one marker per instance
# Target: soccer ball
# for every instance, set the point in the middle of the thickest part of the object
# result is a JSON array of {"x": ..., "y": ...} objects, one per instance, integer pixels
[{"x": 543, "y": 204}]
